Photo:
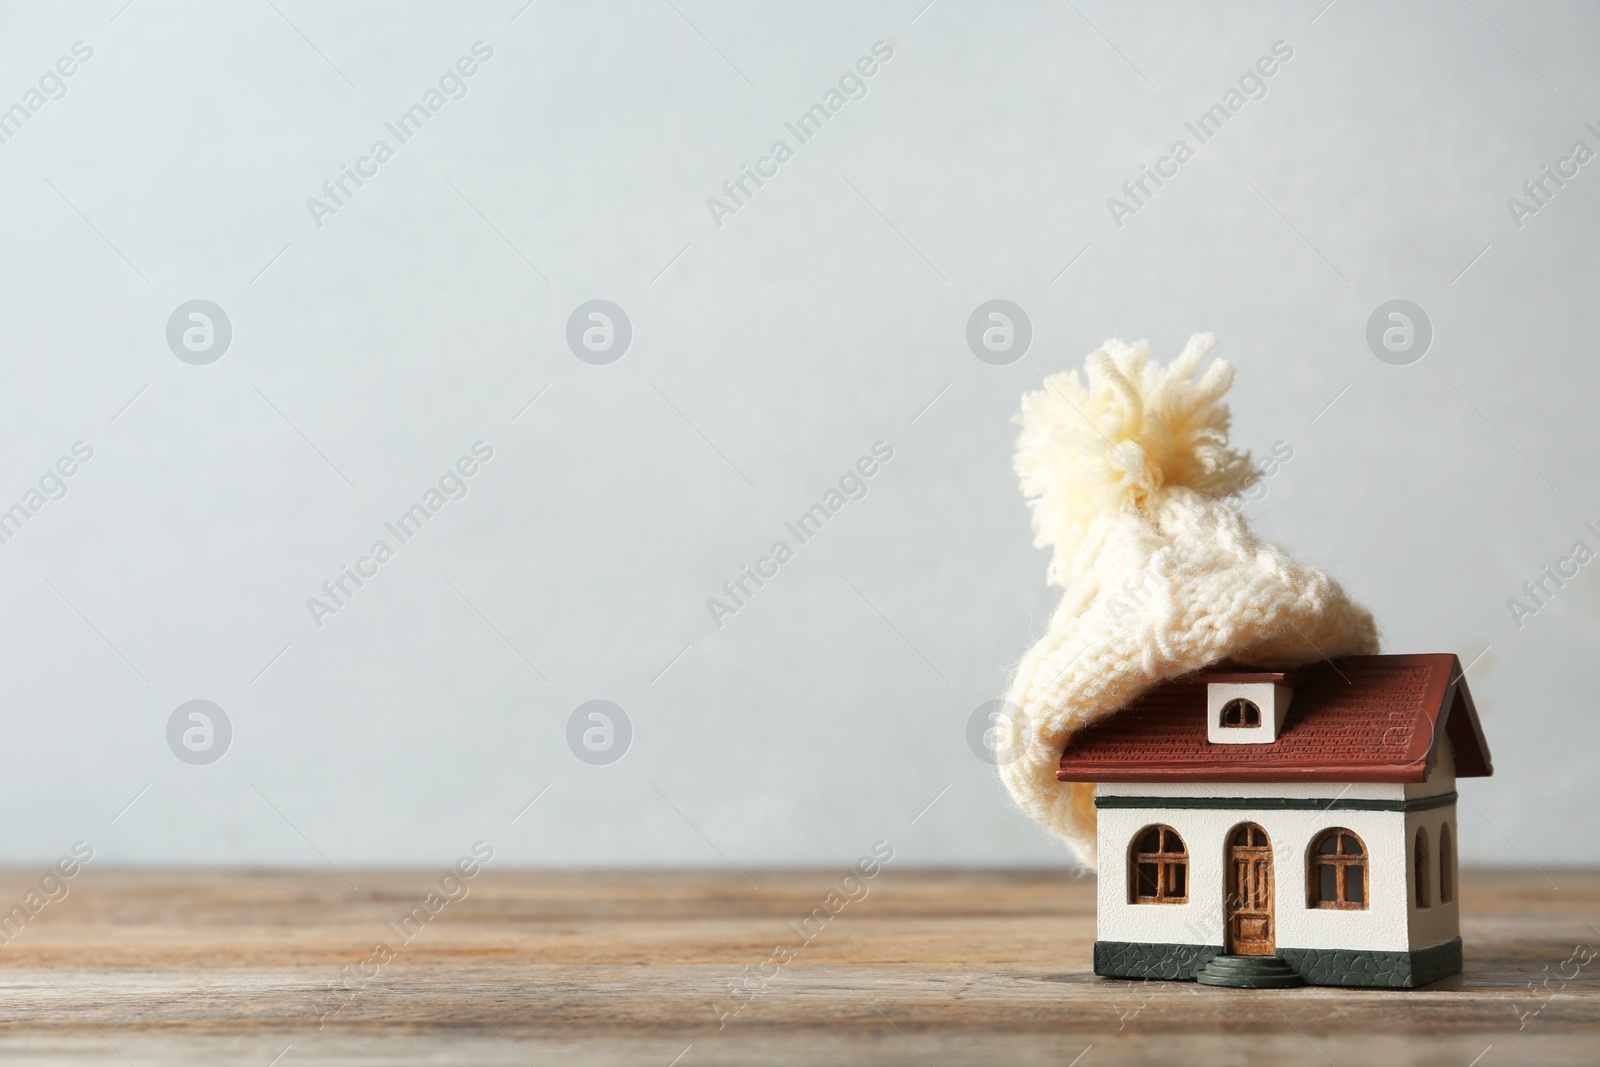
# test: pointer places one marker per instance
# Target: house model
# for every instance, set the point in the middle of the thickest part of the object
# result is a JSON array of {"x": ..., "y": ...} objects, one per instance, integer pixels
[{"x": 1265, "y": 829}]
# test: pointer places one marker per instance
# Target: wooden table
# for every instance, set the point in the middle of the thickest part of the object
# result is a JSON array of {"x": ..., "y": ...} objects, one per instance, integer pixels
[{"x": 940, "y": 967}]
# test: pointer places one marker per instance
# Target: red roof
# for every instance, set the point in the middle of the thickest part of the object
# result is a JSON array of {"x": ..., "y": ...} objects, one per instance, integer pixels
[{"x": 1356, "y": 719}]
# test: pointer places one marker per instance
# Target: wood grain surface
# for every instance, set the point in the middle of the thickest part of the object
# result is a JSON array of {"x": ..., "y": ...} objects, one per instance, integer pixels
[{"x": 663, "y": 967}]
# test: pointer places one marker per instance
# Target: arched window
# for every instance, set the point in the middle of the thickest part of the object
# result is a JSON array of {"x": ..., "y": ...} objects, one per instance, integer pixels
[
  {"x": 1159, "y": 867},
  {"x": 1447, "y": 873},
  {"x": 1338, "y": 871},
  {"x": 1420, "y": 868},
  {"x": 1241, "y": 713}
]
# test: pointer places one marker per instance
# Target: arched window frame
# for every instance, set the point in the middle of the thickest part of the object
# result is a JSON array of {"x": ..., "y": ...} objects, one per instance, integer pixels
[
  {"x": 1345, "y": 865},
  {"x": 1167, "y": 879},
  {"x": 1240, "y": 714},
  {"x": 1419, "y": 868},
  {"x": 1447, "y": 863}
]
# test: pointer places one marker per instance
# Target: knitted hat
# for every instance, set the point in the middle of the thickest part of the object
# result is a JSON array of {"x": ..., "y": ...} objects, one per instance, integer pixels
[{"x": 1128, "y": 480}]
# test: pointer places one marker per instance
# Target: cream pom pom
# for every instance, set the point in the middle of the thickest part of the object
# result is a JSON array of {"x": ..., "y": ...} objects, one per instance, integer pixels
[{"x": 1136, "y": 429}]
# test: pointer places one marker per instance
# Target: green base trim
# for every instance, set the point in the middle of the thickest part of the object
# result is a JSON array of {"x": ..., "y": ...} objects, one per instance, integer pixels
[
  {"x": 1137, "y": 959},
  {"x": 1383, "y": 970},
  {"x": 1438, "y": 800},
  {"x": 1318, "y": 966}
]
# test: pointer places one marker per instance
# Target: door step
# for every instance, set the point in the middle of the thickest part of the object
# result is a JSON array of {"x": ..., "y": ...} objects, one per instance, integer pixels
[{"x": 1249, "y": 972}]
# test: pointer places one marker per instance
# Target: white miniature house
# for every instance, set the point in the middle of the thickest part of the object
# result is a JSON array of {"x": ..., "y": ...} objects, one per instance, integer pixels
[{"x": 1263, "y": 829}]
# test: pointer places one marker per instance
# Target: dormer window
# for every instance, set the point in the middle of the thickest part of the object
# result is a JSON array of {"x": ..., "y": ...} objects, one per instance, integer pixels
[
  {"x": 1245, "y": 707},
  {"x": 1240, "y": 715}
]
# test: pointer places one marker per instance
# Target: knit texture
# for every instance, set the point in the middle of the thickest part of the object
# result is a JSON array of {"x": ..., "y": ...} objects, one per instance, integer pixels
[{"x": 1128, "y": 477}]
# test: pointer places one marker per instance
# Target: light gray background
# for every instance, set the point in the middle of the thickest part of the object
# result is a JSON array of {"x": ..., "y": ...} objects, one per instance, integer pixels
[{"x": 766, "y": 358}]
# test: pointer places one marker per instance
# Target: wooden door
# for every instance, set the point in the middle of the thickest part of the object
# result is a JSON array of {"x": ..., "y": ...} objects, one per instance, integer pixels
[{"x": 1249, "y": 901}]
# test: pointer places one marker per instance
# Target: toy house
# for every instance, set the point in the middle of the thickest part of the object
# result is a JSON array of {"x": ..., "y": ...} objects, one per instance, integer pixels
[{"x": 1264, "y": 829}]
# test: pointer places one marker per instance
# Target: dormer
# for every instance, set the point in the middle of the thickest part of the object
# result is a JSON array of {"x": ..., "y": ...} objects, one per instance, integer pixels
[{"x": 1246, "y": 707}]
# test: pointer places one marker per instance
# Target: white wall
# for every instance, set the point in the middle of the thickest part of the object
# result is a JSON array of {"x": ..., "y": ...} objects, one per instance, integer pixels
[
  {"x": 1440, "y": 921},
  {"x": 1391, "y": 922},
  {"x": 827, "y": 314}
]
